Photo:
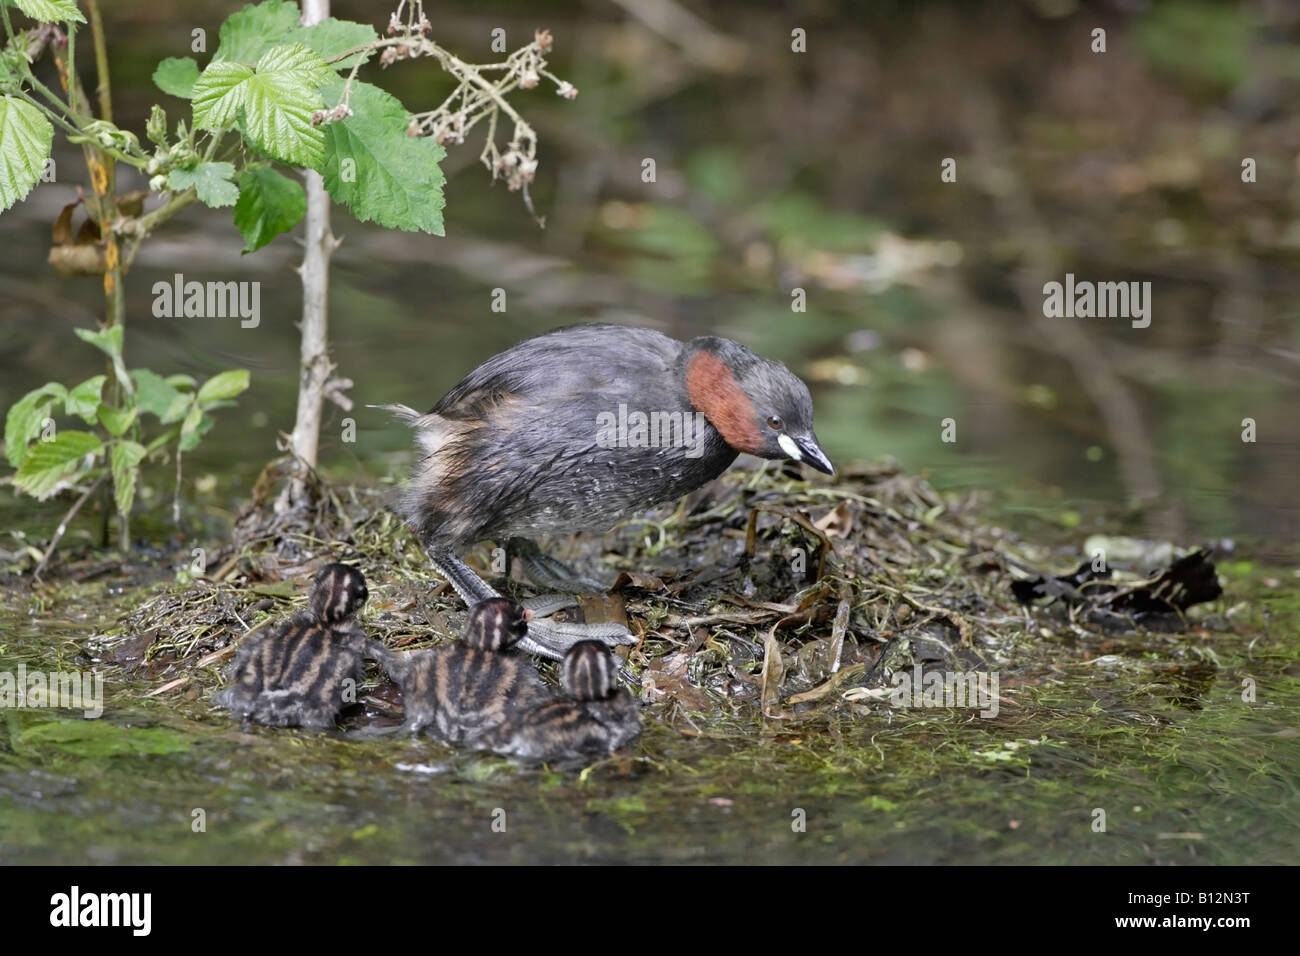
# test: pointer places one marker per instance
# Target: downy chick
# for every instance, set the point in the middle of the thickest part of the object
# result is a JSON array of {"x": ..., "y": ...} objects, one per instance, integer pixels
[
  {"x": 297, "y": 675},
  {"x": 464, "y": 694},
  {"x": 598, "y": 717}
]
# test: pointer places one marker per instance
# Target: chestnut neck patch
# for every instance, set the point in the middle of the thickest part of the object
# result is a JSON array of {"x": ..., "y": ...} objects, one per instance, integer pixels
[{"x": 713, "y": 390}]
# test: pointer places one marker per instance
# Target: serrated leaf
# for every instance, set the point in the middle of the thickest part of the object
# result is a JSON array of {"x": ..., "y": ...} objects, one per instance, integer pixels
[
  {"x": 210, "y": 180},
  {"x": 157, "y": 396},
  {"x": 83, "y": 401},
  {"x": 280, "y": 127},
  {"x": 272, "y": 104},
  {"x": 176, "y": 75},
  {"x": 48, "y": 463},
  {"x": 297, "y": 61},
  {"x": 269, "y": 204},
  {"x": 396, "y": 180},
  {"x": 109, "y": 341},
  {"x": 219, "y": 93},
  {"x": 25, "y": 138},
  {"x": 23, "y": 422},
  {"x": 222, "y": 386},
  {"x": 124, "y": 461},
  {"x": 248, "y": 33},
  {"x": 51, "y": 11},
  {"x": 117, "y": 420},
  {"x": 331, "y": 37}
]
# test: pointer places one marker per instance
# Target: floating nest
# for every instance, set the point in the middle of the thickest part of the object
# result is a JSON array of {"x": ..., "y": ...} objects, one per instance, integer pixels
[{"x": 761, "y": 595}]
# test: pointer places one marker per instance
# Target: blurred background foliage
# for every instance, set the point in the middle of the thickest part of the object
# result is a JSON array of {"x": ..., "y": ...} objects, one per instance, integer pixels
[{"x": 778, "y": 170}]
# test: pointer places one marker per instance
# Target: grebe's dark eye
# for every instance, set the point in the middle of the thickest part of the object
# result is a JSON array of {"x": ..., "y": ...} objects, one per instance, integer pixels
[{"x": 774, "y": 422}]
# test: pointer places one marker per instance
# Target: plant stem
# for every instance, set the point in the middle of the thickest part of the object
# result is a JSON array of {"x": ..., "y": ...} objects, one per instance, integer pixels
[
  {"x": 315, "y": 368},
  {"x": 105, "y": 89},
  {"x": 136, "y": 230},
  {"x": 63, "y": 527}
]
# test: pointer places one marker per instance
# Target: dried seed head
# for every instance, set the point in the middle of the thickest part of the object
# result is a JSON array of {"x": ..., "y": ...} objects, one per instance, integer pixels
[
  {"x": 528, "y": 79},
  {"x": 544, "y": 41},
  {"x": 567, "y": 90}
]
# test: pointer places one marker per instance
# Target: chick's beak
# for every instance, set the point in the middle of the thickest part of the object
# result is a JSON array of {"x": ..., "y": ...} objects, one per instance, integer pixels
[{"x": 812, "y": 453}]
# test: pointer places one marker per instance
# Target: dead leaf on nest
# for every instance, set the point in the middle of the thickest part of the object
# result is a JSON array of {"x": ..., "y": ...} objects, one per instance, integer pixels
[
  {"x": 773, "y": 673},
  {"x": 820, "y": 691},
  {"x": 637, "y": 579},
  {"x": 599, "y": 608},
  {"x": 837, "y": 523},
  {"x": 666, "y": 677}
]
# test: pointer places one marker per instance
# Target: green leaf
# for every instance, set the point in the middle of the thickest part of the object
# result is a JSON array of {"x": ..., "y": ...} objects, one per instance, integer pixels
[
  {"x": 50, "y": 11},
  {"x": 294, "y": 60},
  {"x": 25, "y": 138},
  {"x": 176, "y": 75},
  {"x": 48, "y": 463},
  {"x": 225, "y": 385},
  {"x": 393, "y": 179},
  {"x": 83, "y": 401},
  {"x": 331, "y": 37},
  {"x": 117, "y": 420},
  {"x": 109, "y": 341},
  {"x": 218, "y": 94},
  {"x": 124, "y": 461},
  {"x": 166, "y": 438},
  {"x": 157, "y": 396},
  {"x": 269, "y": 204},
  {"x": 210, "y": 180},
  {"x": 23, "y": 422},
  {"x": 191, "y": 420},
  {"x": 248, "y": 33},
  {"x": 180, "y": 379},
  {"x": 190, "y": 439},
  {"x": 272, "y": 103}
]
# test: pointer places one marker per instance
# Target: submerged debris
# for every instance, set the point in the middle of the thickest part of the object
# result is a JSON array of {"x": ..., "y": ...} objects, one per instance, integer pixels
[{"x": 1156, "y": 601}]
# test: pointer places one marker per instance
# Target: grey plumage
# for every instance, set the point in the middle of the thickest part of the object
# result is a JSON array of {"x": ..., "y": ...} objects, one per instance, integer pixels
[{"x": 520, "y": 447}]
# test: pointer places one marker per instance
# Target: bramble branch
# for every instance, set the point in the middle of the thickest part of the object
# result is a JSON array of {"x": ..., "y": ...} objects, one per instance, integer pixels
[{"x": 480, "y": 94}]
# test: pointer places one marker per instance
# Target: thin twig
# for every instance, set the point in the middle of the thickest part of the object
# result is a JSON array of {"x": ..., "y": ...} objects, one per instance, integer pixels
[{"x": 63, "y": 527}]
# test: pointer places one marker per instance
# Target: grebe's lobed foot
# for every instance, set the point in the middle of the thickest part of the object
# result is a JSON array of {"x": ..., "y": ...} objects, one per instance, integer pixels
[
  {"x": 546, "y": 637},
  {"x": 548, "y": 572},
  {"x": 552, "y": 639}
]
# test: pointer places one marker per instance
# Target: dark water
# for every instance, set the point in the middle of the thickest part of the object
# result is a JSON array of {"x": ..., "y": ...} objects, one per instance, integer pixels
[{"x": 818, "y": 172}]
